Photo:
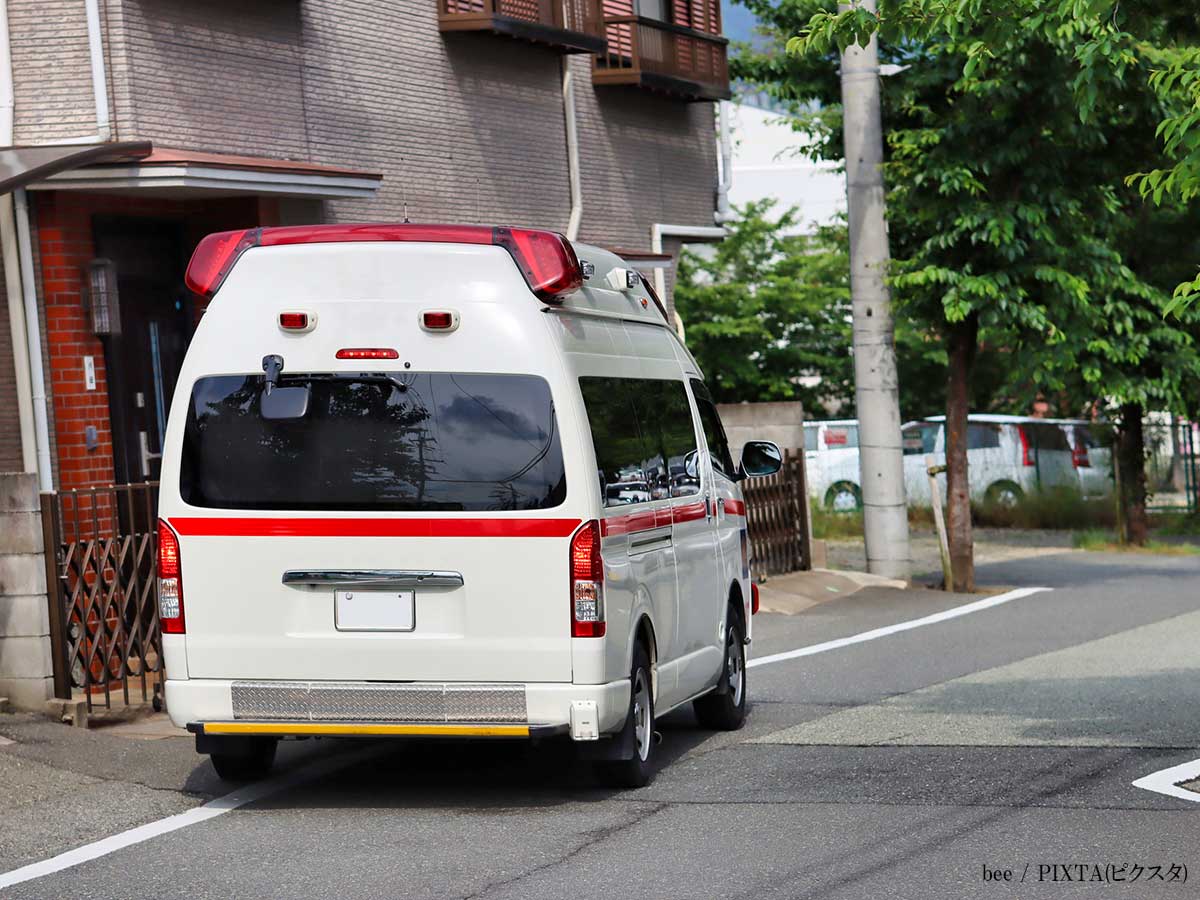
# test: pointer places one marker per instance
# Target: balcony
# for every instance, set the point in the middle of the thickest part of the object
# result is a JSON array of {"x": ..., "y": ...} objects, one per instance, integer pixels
[
  {"x": 661, "y": 56},
  {"x": 569, "y": 26}
]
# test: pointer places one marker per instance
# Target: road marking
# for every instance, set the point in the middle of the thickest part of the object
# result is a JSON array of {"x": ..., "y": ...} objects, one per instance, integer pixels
[
  {"x": 1166, "y": 781},
  {"x": 218, "y": 807},
  {"x": 876, "y": 633}
]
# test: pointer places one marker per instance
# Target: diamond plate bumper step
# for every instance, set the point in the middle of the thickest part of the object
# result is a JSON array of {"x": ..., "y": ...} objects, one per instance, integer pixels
[{"x": 423, "y": 704}]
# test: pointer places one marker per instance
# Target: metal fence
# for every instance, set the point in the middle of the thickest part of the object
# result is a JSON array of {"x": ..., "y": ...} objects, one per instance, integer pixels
[
  {"x": 777, "y": 513},
  {"x": 1172, "y": 466},
  {"x": 101, "y": 562}
]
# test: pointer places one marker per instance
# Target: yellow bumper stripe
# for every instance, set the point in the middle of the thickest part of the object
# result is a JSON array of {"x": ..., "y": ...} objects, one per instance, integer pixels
[{"x": 336, "y": 728}]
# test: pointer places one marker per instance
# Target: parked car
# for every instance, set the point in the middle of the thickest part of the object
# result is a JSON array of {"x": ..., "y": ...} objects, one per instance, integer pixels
[
  {"x": 831, "y": 463},
  {"x": 1007, "y": 457},
  {"x": 409, "y": 490},
  {"x": 1091, "y": 454}
]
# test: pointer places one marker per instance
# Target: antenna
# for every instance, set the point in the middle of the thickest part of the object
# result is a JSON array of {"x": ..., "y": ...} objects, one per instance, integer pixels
[{"x": 404, "y": 191}]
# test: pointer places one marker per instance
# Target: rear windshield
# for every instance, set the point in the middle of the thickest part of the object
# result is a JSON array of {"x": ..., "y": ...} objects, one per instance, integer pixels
[{"x": 378, "y": 441}]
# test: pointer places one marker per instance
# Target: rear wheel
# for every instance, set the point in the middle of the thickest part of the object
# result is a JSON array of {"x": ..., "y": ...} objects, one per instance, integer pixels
[
  {"x": 247, "y": 762},
  {"x": 725, "y": 708},
  {"x": 1004, "y": 493},
  {"x": 637, "y": 770}
]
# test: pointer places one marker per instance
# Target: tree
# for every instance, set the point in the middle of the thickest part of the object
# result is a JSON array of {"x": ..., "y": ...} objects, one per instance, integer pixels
[
  {"x": 769, "y": 307},
  {"x": 1005, "y": 229}
]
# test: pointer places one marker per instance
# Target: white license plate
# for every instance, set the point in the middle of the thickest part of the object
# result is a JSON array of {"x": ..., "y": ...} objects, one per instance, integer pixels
[{"x": 375, "y": 610}]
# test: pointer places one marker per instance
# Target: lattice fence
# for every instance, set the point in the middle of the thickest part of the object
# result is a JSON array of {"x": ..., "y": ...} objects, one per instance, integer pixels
[{"x": 777, "y": 513}]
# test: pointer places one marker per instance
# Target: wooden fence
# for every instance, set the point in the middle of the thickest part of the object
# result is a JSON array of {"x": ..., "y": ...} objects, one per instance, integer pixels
[{"x": 777, "y": 512}]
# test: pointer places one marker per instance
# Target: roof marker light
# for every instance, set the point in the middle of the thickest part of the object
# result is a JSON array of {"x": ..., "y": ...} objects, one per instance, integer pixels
[
  {"x": 439, "y": 320},
  {"x": 367, "y": 353},
  {"x": 302, "y": 322}
]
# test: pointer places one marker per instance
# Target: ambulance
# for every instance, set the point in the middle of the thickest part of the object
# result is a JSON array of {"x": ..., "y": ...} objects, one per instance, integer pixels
[{"x": 427, "y": 481}]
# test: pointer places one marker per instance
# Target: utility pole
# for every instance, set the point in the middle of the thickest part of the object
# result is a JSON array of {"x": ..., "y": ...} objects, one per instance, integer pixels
[{"x": 881, "y": 463}]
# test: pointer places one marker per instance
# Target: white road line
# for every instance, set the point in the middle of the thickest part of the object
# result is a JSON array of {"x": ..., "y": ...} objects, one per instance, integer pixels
[
  {"x": 1167, "y": 781},
  {"x": 964, "y": 610},
  {"x": 218, "y": 807}
]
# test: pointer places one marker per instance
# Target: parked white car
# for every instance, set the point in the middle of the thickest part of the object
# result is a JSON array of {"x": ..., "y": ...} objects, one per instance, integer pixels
[
  {"x": 431, "y": 481},
  {"x": 1007, "y": 457},
  {"x": 1091, "y": 453},
  {"x": 831, "y": 463}
]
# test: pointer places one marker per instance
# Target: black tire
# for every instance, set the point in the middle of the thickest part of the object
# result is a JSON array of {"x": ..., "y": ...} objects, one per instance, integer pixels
[
  {"x": 1004, "y": 493},
  {"x": 638, "y": 769},
  {"x": 725, "y": 708},
  {"x": 849, "y": 494},
  {"x": 249, "y": 763}
]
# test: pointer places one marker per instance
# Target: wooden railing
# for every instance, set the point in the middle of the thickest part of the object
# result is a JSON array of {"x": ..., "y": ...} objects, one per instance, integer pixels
[
  {"x": 101, "y": 572},
  {"x": 777, "y": 517},
  {"x": 578, "y": 16},
  {"x": 684, "y": 60}
]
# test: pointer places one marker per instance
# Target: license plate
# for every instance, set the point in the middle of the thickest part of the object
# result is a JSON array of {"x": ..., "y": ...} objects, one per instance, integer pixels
[{"x": 375, "y": 610}]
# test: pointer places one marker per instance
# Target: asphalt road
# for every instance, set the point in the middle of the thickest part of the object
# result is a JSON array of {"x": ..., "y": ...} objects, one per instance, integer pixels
[{"x": 895, "y": 768}]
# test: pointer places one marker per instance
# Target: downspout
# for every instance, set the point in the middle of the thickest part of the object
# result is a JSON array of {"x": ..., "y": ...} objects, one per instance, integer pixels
[
  {"x": 37, "y": 372},
  {"x": 725, "y": 143},
  {"x": 658, "y": 231},
  {"x": 12, "y": 268},
  {"x": 99, "y": 77},
  {"x": 572, "y": 151}
]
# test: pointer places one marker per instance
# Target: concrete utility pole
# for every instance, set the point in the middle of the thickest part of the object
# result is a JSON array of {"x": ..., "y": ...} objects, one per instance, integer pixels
[{"x": 885, "y": 514}]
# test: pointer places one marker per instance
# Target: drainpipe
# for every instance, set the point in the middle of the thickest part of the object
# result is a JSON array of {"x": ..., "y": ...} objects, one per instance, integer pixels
[
  {"x": 572, "y": 151},
  {"x": 37, "y": 372},
  {"x": 12, "y": 269},
  {"x": 99, "y": 78},
  {"x": 658, "y": 231},
  {"x": 725, "y": 143}
]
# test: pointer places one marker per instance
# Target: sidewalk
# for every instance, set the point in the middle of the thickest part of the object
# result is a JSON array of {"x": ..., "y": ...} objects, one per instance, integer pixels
[{"x": 798, "y": 591}]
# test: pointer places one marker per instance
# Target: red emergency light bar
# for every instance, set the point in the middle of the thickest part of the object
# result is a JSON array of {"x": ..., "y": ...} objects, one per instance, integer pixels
[{"x": 546, "y": 258}]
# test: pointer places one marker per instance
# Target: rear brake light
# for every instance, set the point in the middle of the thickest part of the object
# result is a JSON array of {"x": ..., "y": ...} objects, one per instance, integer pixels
[
  {"x": 1079, "y": 456},
  {"x": 546, "y": 259},
  {"x": 1026, "y": 459},
  {"x": 587, "y": 582},
  {"x": 753, "y": 599},
  {"x": 170, "y": 581},
  {"x": 367, "y": 353}
]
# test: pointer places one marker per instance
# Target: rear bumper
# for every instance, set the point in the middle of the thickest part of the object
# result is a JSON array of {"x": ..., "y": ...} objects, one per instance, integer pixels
[{"x": 374, "y": 709}]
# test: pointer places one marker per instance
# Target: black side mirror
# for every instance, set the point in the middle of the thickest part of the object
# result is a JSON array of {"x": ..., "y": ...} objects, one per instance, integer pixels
[{"x": 760, "y": 458}]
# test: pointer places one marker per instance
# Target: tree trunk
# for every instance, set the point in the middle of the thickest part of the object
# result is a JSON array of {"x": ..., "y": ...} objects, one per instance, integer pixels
[
  {"x": 1131, "y": 457},
  {"x": 962, "y": 340}
]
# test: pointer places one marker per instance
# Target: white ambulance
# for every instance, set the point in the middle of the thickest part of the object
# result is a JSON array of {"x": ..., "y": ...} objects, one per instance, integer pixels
[{"x": 445, "y": 481}]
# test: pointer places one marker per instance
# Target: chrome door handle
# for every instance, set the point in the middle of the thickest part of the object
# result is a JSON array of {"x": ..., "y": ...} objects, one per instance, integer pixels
[{"x": 374, "y": 577}]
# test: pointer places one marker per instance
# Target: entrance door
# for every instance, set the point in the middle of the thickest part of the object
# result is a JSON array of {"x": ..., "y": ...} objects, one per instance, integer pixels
[{"x": 143, "y": 361}]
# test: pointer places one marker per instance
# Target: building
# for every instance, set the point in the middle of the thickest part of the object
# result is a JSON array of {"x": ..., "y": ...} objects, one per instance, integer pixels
[{"x": 153, "y": 122}]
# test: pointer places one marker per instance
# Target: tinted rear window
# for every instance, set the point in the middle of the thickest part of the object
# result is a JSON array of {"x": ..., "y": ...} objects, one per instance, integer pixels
[{"x": 402, "y": 441}]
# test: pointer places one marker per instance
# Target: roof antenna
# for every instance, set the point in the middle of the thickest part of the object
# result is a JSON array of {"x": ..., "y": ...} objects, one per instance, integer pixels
[{"x": 404, "y": 191}]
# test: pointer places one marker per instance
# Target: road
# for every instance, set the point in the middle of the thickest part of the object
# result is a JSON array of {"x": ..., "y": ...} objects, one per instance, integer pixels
[{"x": 898, "y": 767}]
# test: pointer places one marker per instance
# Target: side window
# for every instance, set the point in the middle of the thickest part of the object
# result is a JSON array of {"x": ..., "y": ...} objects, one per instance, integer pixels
[
  {"x": 620, "y": 456},
  {"x": 714, "y": 433},
  {"x": 666, "y": 417},
  {"x": 810, "y": 438}
]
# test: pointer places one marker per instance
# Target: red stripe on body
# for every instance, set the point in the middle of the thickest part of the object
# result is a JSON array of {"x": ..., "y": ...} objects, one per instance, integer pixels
[{"x": 735, "y": 507}]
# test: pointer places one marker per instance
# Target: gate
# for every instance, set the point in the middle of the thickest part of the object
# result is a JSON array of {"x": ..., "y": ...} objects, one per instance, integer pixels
[
  {"x": 777, "y": 517},
  {"x": 101, "y": 576}
]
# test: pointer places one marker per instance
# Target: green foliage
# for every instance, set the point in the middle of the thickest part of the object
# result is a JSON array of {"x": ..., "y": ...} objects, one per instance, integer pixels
[
  {"x": 1009, "y": 138},
  {"x": 1057, "y": 508},
  {"x": 769, "y": 307}
]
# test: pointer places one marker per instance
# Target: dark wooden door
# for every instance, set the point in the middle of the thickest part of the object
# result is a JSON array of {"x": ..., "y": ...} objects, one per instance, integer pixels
[{"x": 143, "y": 362}]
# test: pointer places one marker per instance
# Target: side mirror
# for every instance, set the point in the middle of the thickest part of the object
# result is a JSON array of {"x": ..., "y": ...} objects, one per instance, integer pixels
[
  {"x": 691, "y": 464},
  {"x": 760, "y": 458}
]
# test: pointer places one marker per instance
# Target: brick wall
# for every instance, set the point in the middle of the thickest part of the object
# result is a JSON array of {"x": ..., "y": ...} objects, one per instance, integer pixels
[
  {"x": 64, "y": 247},
  {"x": 10, "y": 423}
]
